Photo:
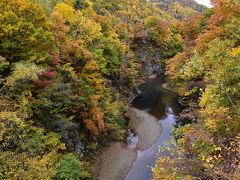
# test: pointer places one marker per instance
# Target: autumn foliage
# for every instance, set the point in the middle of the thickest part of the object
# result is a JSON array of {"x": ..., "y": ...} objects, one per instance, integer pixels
[
  {"x": 66, "y": 68},
  {"x": 96, "y": 121},
  {"x": 211, "y": 142}
]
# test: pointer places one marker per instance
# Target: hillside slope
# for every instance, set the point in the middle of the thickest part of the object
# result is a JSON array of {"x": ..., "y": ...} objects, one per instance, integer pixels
[
  {"x": 67, "y": 68},
  {"x": 180, "y": 9},
  {"x": 207, "y": 76}
]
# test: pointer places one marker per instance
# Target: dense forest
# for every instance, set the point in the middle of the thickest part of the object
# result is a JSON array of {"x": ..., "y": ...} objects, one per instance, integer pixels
[
  {"x": 207, "y": 75},
  {"x": 69, "y": 68}
]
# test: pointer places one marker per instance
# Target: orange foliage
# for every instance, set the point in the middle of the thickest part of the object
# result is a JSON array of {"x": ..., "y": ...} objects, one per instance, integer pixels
[
  {"x": 91, "y": 126},
  {"x": 191, "y": 28},
  {"x": 66, "y": 45},
  {"x": 96, "y": 122},
  {"x": 223, "y": 10},
  {"x": 203, "y": 39},
  {"x": 175, "y": 63}
]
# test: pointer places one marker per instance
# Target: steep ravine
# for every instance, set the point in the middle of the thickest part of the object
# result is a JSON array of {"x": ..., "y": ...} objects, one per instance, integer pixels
[{"x": 152, "y": 115}]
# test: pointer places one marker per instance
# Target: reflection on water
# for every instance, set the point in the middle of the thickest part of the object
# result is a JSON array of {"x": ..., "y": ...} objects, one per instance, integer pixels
[
  {"x": 156, "y": 100},
  {"x": 163, "y": 105}
]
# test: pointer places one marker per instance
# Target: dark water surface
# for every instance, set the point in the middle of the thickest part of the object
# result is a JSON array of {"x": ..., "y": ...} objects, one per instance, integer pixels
[{"x": 163, "y": 105}]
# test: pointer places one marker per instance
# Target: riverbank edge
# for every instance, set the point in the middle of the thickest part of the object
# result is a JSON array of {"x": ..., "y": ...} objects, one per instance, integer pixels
[{"x": 125, "y": 157}]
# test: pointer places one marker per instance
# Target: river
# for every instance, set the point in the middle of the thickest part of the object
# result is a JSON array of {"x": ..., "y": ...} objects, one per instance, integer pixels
[
  {"x": 163, "y": 105},
  {"x": 152, "y": 116}
]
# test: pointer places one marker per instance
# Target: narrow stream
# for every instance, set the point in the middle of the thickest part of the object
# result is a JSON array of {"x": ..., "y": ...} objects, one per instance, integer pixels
[{"x": 163, "y": 105}]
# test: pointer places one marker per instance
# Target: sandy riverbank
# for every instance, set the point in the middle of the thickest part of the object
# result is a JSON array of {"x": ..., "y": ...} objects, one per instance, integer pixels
[
  {"x": 147, "y": 127},
  {"x": 117, "y": 160}
]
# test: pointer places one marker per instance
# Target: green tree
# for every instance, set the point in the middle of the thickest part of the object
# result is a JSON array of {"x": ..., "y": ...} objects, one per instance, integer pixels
[{"x": 24, "y": 31}]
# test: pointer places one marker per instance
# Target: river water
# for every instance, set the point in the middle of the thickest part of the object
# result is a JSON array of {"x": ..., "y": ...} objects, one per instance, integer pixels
[{"x": 163, "y": 105}]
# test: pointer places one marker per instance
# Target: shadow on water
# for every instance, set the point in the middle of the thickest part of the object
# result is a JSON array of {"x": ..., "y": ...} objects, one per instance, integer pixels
[{"x": 163, "y": 105}]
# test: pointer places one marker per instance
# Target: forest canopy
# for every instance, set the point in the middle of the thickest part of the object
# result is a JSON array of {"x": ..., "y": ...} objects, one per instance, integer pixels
[
  {"x": 66, "y": 71},
  {"x": 207, "y": 75},
  {"x": 69, "y": 68}
]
